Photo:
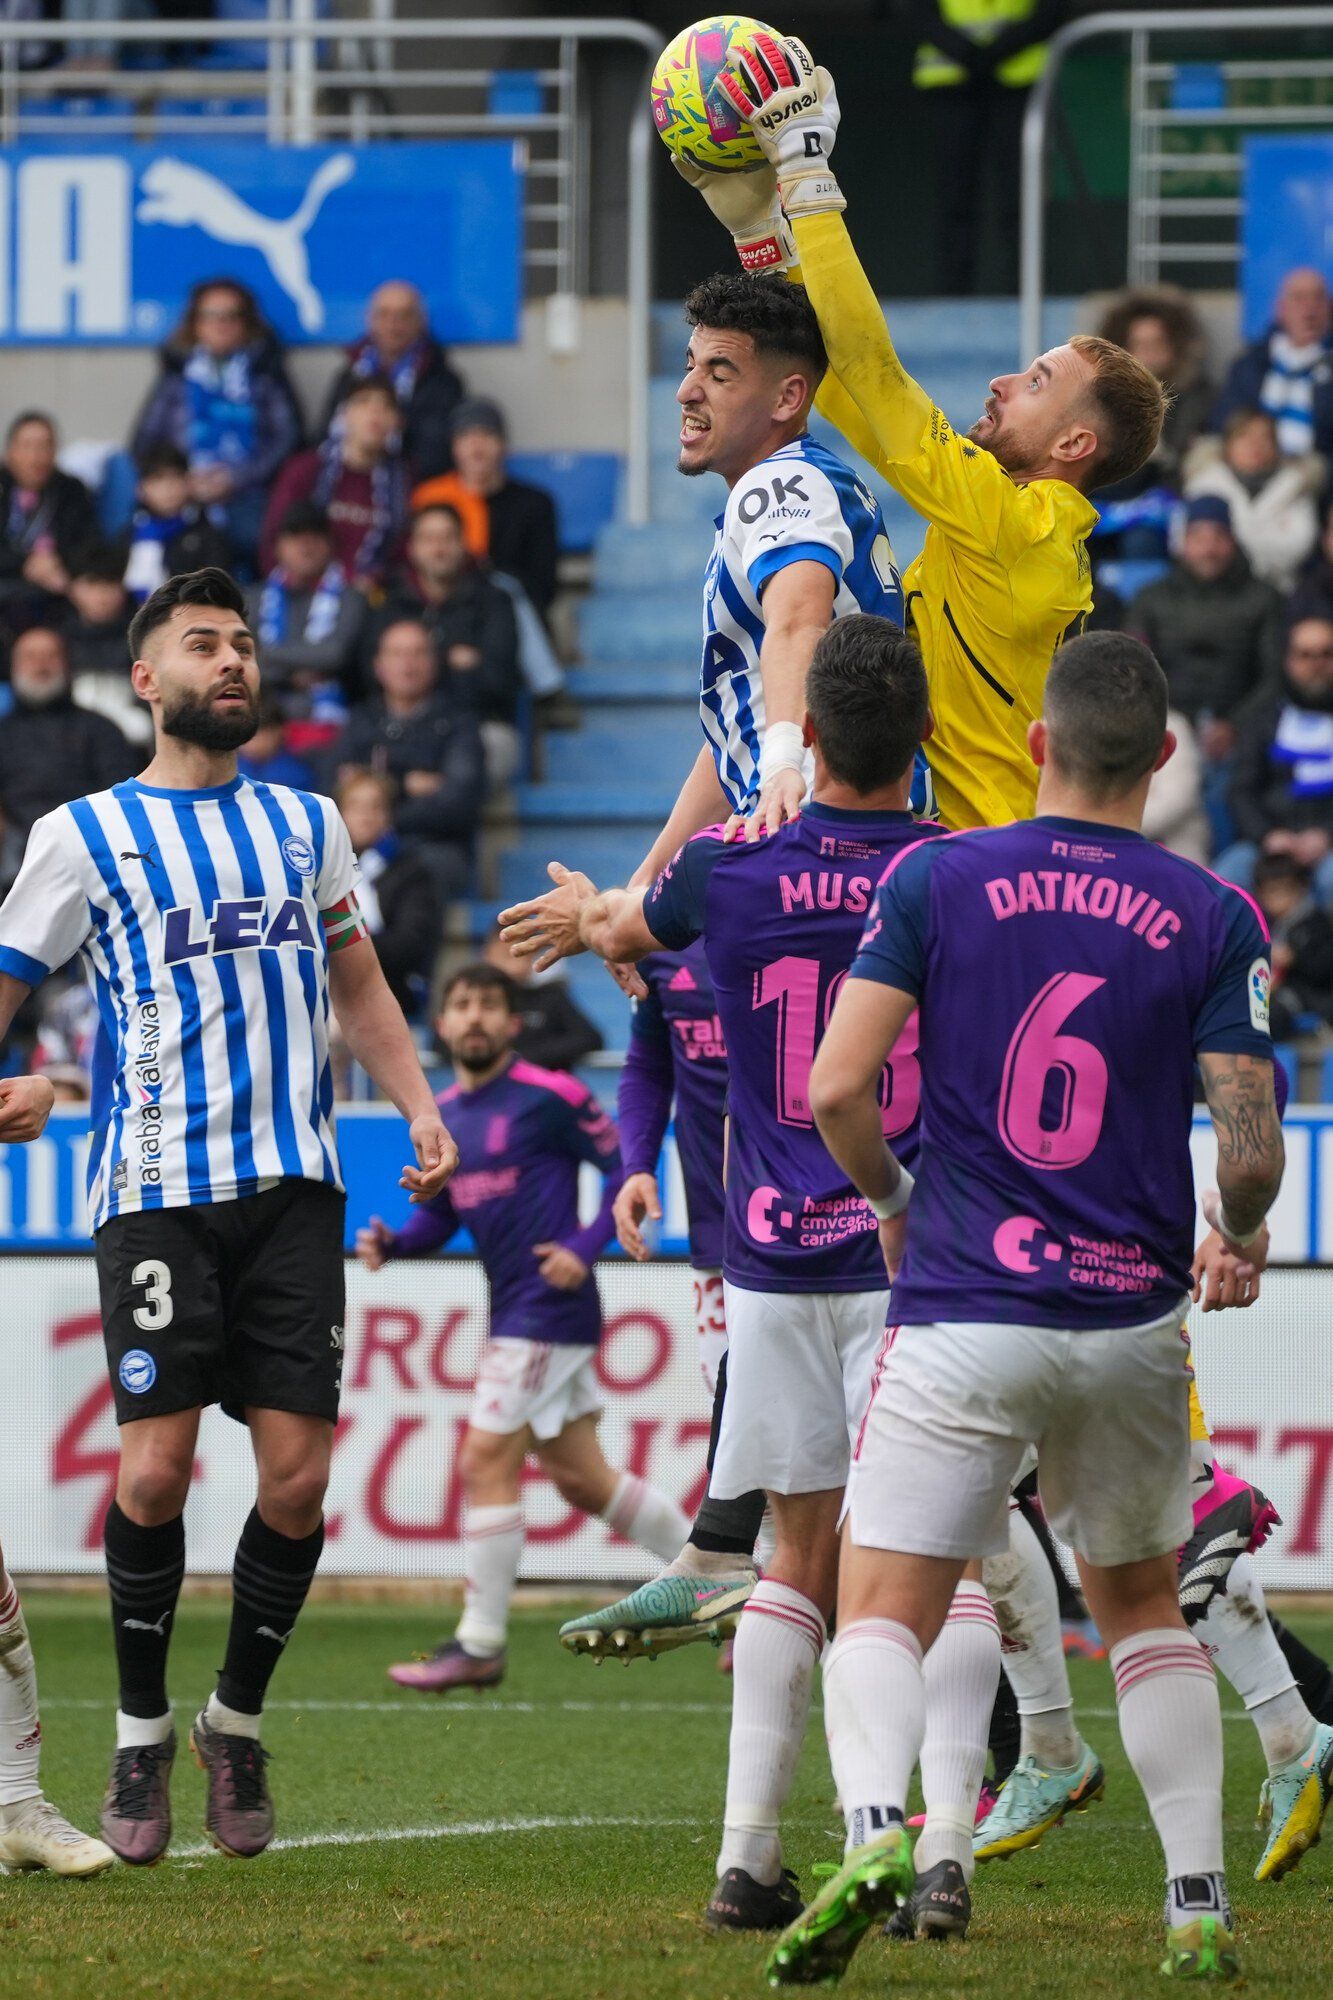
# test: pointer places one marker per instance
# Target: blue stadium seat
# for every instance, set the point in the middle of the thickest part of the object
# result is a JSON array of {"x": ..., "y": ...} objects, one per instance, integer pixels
[
  {"x": 115, "y": 495},
  {"x": 1127, "y": 579},
  {"x": 242, "y": 54},
  {"x": 583, "y": 483},
  {"x": 1285, "y": 1054},
  {"x": 515, "y": 93},
  {"x": 1198, "y": 86},
  {"x": 89, "y": 105}
]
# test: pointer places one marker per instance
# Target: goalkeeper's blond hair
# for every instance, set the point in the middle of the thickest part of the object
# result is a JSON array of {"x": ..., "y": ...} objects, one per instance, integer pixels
[{"x": 1129, "y": 403}]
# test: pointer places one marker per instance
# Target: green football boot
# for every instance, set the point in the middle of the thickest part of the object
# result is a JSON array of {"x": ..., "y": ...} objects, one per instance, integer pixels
[
  {"x": 870, "y": 1884},
  {"x": 662, "y": 1615},
  {"x": 1201, "y": 1949}
]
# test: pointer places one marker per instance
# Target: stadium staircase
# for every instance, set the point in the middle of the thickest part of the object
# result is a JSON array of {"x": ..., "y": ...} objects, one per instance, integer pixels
[{"x": 605, "y": 787}]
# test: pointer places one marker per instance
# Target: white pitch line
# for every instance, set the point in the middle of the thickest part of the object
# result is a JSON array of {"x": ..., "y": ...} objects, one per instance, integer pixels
[
  {"x": 423, "y": 1705},
  {"x": 476, "y": 1829}
]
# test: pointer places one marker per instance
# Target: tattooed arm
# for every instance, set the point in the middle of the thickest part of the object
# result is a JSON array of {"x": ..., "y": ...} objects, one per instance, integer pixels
[{"x": 1250, "y": 1155}]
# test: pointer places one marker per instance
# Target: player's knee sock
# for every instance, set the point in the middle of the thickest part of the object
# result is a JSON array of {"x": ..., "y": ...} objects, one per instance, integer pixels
[
  {"x": 1171, "y": 1726},
  {"x": 643, "y": 1515},
  {"x": 961, "y": 1671},
  {"x": 492, "y": 1550},
  {"x": 875, "y": 1718},
  {"x": 1314, "y": 1676},
  {"x": 145, "y": 1568},
  {"x": 1244, "y": 1647},
  {"x": 1022, "y": 1589},
  {"x": 20, "y": 1731},
  {"x": 271, "y": 1578},
  {"x": 728, "y": 1527},
  {"x": 778, "y": 1641}
]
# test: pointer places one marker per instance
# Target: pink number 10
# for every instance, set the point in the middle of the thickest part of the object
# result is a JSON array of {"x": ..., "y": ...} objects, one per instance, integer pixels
[
  {"x": 792, "y": 984},
  {"x": 1038, "y": 1048}
]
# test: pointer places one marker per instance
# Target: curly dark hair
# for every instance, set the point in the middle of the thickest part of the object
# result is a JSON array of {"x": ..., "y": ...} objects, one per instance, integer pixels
[
  {"x": 777, "y": 315},
  {"x": 1177, "y": 312},
  {"x": 185, "y": 336}
]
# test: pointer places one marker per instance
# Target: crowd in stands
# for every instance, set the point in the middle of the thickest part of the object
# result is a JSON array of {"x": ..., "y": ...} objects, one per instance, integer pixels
[
  {"x": 1219, "y": 554},
  {"x": 397, "y": 576}
]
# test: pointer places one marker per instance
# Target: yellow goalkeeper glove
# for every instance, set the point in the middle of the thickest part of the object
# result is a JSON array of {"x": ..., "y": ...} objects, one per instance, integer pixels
[
  {"x": 792, "y": 109},
  {"x": 747, "y": 205}
]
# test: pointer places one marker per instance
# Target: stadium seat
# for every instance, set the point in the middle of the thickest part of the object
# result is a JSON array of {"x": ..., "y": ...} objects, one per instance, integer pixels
[
  {"x": 515, "y": 93},
  {"x": 115, "y": 495},
  {"x": 1127, "y": 579},
  {"x": 584, "y": 485}
]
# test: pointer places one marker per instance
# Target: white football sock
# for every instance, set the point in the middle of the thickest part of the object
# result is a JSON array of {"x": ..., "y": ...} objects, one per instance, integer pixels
[
  {"x": 709, "y": 1563},
  {"x": 778, "y": 1641},
  {"x": 641, "y": 1514},
  {"x": 132, "y": 1731},
  {"x": 20, "y": 1730},
  {"x": 492, "y": 1547},
  {"x": 962, "y": 1672},
  {"x": 766, "y": 1546},
  {"x": 875, "y": 1718},
  {"x": 1022, "y": 1590},
  {"x": 231, "y": 1721},
  {"x": 1171, "y": 1726},
  {"x": 1244, "y": 1647}
]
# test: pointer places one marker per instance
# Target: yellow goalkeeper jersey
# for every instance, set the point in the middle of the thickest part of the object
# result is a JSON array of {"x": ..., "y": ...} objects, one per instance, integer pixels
[{"x": 1004, "y": 576}]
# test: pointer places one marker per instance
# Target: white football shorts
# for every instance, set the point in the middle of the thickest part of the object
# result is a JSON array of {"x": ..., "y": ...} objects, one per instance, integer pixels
[
  {"x": 798, "y": 1377},
  {"x": 955, "y": 1407},
  {"x": 538, "y": 1385},
  {"x": 710, "y": 1318}
]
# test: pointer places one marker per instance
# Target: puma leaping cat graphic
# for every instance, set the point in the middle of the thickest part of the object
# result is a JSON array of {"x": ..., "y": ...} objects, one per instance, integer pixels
[{"x": 187, "y": 197}]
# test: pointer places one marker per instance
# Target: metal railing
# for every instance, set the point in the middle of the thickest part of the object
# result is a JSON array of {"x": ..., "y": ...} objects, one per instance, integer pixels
[
  {"x": 1152, "y": 162},
  {"x": 331, "y": 80}
]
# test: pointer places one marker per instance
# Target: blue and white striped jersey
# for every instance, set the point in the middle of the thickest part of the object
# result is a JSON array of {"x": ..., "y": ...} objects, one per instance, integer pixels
[
  {"x": 801, "y": 505},
  {"x": 197, "y": 918}
]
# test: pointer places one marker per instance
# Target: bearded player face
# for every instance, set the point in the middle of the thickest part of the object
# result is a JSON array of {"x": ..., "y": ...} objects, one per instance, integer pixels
[{"x": 207, "y": 677}]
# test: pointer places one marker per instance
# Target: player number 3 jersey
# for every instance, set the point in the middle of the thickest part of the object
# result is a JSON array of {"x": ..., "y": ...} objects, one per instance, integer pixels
[{"x": 203, "y": 920}]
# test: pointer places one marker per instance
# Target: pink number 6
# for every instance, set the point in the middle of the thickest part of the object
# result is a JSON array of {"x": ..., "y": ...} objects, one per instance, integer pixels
[{"x": 1036, "y": 1049}]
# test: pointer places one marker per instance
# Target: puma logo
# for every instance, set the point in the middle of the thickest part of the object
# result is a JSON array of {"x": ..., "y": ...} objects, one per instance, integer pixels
[
  {"x": 278, "y": 1638},
  {"x": 138, "y": 1625},
  {"x": 149, "y": 859},
  {"x": 187, "y": 197}
]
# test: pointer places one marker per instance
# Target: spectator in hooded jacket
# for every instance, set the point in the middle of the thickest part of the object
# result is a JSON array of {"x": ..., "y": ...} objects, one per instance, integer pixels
[
  {"x": 418, "y": 736},
  {"x": 52, "y": 751},
  {"x": 397, "y": 892},
  {"x": 473, "y": 625},
  {"x": 1273, "y": 500},
  {"x": 45, "y": 516},
  {"x": 517, "y": 531},
  {"x": 398, "y": 345},
  {"x": 1282, "y": 788},
  {"x": 357, "y": 478},
  {"x": 1289, "y": 372},
  {"x": 169, "y": 532},
  {"x": 223, "y": 398}
]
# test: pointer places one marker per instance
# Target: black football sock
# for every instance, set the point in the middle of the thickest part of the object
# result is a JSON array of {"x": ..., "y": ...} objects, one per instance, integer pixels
[
  {"x": 1314, "y": 1676},
  {"x": 145, "y": 1568},
  {"x": 1005, "y": 1731},
  {"x": 1072, "y": 1608},
  {"x": 270, "y": 1581},
  {"x": 725, "y": 1527}
]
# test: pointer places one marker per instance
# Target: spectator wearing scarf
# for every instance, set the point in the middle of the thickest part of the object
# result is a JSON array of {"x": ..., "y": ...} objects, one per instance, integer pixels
[
  {"x": 223, "y": 398},
  {"x": 358, "y": 480},
  {"x": 306, "y": 616},
  {"x": 169, "y": 532},
  {"x": 398, "y": 344},
  {"x": 1289, "y": 373}
]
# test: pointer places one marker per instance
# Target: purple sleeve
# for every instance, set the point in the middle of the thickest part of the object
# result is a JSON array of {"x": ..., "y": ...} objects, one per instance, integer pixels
[
  {"x": 646, "y": 1088},
  {"x": 427, "y": 1229},
  {"x": 673, "y": 908},
  {"x": 593, "y": 1138}
]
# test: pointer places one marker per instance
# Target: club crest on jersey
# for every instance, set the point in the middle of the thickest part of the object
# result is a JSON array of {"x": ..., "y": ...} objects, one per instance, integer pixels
[
  {"x": 298, "y": 854},
  {"x": 248, "y": 924}
]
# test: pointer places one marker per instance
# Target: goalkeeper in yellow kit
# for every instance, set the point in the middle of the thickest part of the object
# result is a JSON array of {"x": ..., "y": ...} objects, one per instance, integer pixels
[
  {"x": 1004, "y": 575},
  {"x": 1002, "y": 581}
]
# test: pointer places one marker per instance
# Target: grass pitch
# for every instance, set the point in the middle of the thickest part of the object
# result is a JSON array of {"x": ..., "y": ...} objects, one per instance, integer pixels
[{"x": 557, "y": 1839}]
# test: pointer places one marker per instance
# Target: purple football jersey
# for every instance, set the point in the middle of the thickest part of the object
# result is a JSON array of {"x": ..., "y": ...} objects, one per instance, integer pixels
[
  {"x": 521, "y": 1139},
  {"x": 781, "y": 920},
  {"x": 677, "y": 1049},
  {"x": 1068, "y": 974}
]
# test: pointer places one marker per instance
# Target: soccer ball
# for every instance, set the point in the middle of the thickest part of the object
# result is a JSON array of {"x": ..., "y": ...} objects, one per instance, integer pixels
[{"x": 694, "y": 117}]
